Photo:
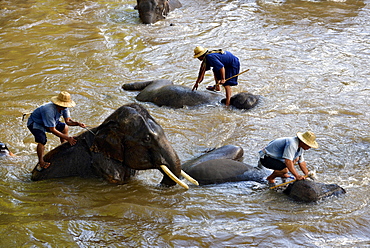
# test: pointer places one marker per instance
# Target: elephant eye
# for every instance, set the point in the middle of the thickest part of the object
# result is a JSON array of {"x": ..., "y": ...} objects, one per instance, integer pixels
[{"x": 147, "y": 138}]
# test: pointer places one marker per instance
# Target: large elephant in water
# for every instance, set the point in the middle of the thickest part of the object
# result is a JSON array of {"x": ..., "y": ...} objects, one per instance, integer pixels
[
  {"x": 224, "y": 165},
  {"x": 128, "y": 140},
  {"x": 163, "y": 92},
  {"x": 151, "y": 11}
]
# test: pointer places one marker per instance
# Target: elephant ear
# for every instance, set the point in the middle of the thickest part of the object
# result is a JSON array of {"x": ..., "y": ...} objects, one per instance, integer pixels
[{"x": 108, "y": 141}]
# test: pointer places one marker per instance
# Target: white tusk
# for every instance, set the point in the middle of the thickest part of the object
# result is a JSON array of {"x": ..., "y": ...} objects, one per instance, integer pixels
[
  {"x": 173, "y": 177},
  {"x": 189, "y": 178}
]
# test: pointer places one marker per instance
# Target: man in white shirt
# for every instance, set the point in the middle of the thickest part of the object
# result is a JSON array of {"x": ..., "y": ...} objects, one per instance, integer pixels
[{"x": 281, "y": 154}]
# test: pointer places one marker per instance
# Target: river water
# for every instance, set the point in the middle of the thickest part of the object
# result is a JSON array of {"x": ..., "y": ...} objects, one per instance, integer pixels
[{"x": 308, "y": 61}]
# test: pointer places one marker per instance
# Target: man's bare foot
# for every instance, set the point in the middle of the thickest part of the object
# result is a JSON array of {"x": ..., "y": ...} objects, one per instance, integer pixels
[
  {"x": 270, "y": 180},
  {"x": 42, "y": 165}
]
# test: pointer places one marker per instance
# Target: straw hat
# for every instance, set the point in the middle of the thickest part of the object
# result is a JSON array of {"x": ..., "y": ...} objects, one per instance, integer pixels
[
  {"x": 199, "y": 51},
  {"x": 309, "y": 138},
  {"x": 63, "y": 100}
]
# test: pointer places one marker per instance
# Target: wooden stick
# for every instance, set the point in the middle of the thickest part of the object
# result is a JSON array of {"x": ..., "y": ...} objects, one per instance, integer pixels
[
  {"x": 234, "y": 76},
  {"x": 237, "y": 75},
  {"x": 273, "y": 187}
]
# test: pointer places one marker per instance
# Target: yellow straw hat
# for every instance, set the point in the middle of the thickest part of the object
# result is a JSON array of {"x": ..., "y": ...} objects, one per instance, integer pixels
[
  {"x": 199, "y": 51},
  {"x": 63, "y": 100},
  {"x": 309, "y": 138}
]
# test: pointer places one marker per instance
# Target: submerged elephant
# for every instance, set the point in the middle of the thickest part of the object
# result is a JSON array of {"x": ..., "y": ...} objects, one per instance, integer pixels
[
  {"x": 221, "y": 166},
  {"x": 311, "y": 191},
  {"x": 151, "y": 11},
  {"x": 128, "y": 140},
  {"x": 164, "y": 93}
]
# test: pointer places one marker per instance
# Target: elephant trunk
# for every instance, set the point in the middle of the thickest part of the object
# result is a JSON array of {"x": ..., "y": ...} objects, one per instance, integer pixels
[
  {"x": 147, "y": 18},
  {"x": 170, "y": 165}
]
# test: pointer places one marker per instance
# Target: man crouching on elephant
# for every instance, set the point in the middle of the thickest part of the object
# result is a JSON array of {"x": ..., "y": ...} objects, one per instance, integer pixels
[
  {"x": 281, "y": 154},
  {"x": 46, "y": 119},
  {"x": 225, "y": 66}
]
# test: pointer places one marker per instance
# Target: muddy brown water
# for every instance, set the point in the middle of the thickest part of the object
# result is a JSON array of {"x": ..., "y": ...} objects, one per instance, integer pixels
[{"x": 308, "y": 61}]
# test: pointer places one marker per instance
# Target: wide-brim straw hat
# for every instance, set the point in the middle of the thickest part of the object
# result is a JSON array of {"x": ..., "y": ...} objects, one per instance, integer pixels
[
  {"x": 199, "y": 51},
  {"x": 63, "y": 100},
  {"x": 309, "y": 138}
]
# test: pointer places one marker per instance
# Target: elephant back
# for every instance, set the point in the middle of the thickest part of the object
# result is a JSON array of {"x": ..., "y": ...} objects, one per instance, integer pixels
[
  {"x": 178, "y": 96},
  {"x": 222, "y": 171},
  {"x": 66, "y": 160},
  {"x": 224, "y": 152}
]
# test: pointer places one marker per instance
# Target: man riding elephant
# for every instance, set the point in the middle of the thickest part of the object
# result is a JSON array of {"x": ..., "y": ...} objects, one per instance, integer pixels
[
  {"x": 281, "y": 154},
  {"x": 225, "y": 67},
  {"x": 46, "y": 119},
  {"x": 127, "y": 141}
]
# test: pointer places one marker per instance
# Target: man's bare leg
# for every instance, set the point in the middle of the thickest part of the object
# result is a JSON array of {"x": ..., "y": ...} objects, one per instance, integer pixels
[{"x": 40, "y": 155}]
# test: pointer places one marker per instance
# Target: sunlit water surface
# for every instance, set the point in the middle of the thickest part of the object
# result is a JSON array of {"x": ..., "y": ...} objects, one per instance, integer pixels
[{"x": 308, "y": 61}]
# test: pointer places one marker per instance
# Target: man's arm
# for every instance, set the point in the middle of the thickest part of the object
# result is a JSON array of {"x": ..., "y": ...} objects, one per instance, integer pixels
[
  {"x": 222, "y": 75},
  {"x": 289, "y": 164},
  {"x": 200, "y": 78},
  {"x": 70, "y": 122},
  {"x": 70, "y": 140},
  {"x": 303, "y": 167}
]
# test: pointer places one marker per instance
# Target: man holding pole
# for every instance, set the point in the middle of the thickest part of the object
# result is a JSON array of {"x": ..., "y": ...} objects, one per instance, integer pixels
[
  {"x": 46, "y": 119},
  {"x": 281, "y": 154},
  {"x": 225, "y": 68}
]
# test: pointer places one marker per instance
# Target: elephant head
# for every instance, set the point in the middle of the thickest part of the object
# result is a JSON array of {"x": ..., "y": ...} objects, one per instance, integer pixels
[
  {"x": 311, "y": 191},
  {"x": 128, "y": 140},
  {"x": 151, "y": 11}
]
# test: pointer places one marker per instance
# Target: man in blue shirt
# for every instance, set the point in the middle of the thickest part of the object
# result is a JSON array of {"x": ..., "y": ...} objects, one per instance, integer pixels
[
  {"x": 281, "y": 154},
  {"x": 46, "y": 119},
  {"x": 224, "y": 65}
]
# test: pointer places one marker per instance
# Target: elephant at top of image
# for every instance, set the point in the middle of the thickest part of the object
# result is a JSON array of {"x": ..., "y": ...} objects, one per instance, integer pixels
[
  {"x": 151, "y": 11},
  {"x": 128, "y": 140},
  {"x": 163, "y": 92},
  {"x": 224, "y": 164}
]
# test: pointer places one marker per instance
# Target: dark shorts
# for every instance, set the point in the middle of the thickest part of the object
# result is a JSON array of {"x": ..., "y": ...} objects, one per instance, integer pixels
[
  {"x": 230, "y": 83},
  {"x": 272, "y": 163},
  {"x": 40, "y": 136}
]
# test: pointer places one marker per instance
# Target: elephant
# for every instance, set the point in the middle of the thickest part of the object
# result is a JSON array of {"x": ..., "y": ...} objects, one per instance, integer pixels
[
  {"x": 221, "y": 165},
  {"x": 224, "y": 165},
  {"x": 128, "y": 140},
  {"x": 151, "y": 11},
  {"x": 311, "y": 191},
  {"x": 163, "y": 92}
]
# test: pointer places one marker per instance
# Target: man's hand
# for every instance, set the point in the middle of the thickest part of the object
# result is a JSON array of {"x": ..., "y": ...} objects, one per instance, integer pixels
[
  {"x": 81, "y": 124},
  {"x": 195, "y": 87},
  {"x": 72, "y": 141},
  {"x": 299, "y": 177}
]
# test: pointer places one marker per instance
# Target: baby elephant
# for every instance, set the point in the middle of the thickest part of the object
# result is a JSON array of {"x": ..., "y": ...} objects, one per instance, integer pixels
[{"x": 151, "y": 11}]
